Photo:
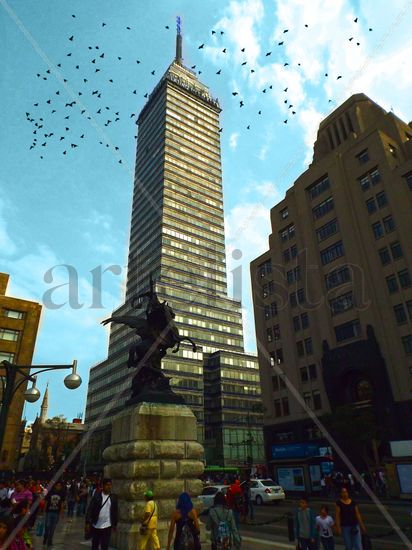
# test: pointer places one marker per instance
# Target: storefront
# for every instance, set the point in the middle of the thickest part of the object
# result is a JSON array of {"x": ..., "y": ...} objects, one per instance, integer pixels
[{"x": 299, "y": 467}]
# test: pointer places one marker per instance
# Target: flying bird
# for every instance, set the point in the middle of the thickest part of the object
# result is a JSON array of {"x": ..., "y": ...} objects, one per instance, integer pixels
[
  {"x": 242, "y": 50},
  {"x": 102, "y": 55},
  {"x": 153, "y": 72},
  {"x": 201, "y": 46},
  {"x": 213, "y": 32},
  {"x": 224, "y": 50},
  {"x": 355, "y": 20},
  {"x": 235, "y": 93},
  {"x": 268, "y": 53},
  {"x": 71, "y": 38},
  {"x": 340, "y": 76},
  {"x": 219, "y": 71},
  {"x": 103, "y": 24},
  {"x": 286, "y": 30},
  {"x": 285, "y": 90},
  {"x": 167, "y": 27},
  {"x": 244, "y": 62},
  {"x": 241, "y": 103},
  {"x": 280, "y": 43},
  {"x": 193, "y": 67}
]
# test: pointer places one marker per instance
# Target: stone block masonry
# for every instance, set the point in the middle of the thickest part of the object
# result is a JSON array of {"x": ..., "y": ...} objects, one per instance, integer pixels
[{"x": 153, "y": 446}]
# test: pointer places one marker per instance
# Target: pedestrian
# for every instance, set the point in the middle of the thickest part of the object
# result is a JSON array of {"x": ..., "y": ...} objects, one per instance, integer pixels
[
  {"x": 81, "y": 500},
  {"x": 305, "y": 525},
  {"x": 102, "y": 516},
  {"x": 54, "y": 510},
  {"x": 6, "y": 530},
  {"x": 71, "y": 498},
  {"x": 185, "y": 519},
  {"x": 349, "y": 522},
  {"x": 248, "y": 499},
  {"x": 324, "y": 524},
  {"x": 20, "y": 493},
  {"x": 148, "y": 527},
  {"x": 222, "y": 526},
  {"x": 234, "y": 500},
  {"x": 20, "y": 520},
  {"x": 323, "y": 485}
]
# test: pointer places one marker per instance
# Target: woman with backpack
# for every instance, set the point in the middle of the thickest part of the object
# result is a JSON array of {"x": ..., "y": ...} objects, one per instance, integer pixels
[
  {"x": 221, "y": 522},
  {"x": 185, "y": 519}
]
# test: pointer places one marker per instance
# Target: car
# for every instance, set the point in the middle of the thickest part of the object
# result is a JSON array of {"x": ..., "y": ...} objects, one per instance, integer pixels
[
  {"x": 264, "y": 491},
  {"x": 208, "y": 494}
]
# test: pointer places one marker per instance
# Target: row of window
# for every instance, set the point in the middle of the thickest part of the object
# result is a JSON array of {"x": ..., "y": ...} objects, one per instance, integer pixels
[
  {"x": 323, "y": 208},
  {"x": 271, "y": 310},
  {"x": 288, "y": 233},
  {"x": 282, "y": 407},
  {"x": 378, "y": 201},
  {"x": 293, "y": 275},
  {"x": 341, "y": 303},
  {"x": 265, "y": 268},
  {"x": 403, "y": 312},
  {"x": 372, "y": 177},
  {"x": 387, "y": 225},
  {"x": 300, "y": 322},
  {"x": 402, "y": 279},
  {"x": 304, "y": 347},
  {"x": 313, "y": 400},
  {"x": 273, "y": 333},
  {"x": 9, "y": 334},
  {"x": 327, "y": 230},
  {"x": 290, "y": 253},
  {"x": 395, "y": 251},
  {"x": 13, "y": 314},
  {"x": 5, "y": 356},
  {"x": 297, "y": 297},
  {"x": 318, "y": 187},
  {"x": 331, "y": 253}
]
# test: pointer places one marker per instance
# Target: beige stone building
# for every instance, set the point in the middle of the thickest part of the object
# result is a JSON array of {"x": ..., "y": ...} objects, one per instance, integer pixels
[
  {"x": 333, "y": 294},
  {"x": 19, "y": 321}
]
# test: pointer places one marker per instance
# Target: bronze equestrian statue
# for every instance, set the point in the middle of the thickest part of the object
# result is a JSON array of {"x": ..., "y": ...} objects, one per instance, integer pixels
[{"x": 157, "y": 333}]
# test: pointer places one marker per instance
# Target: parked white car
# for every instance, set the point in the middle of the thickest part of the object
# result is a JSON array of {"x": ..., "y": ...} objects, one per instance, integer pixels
[
  {"x": 208, "y": 494},
  {"x": 265, "y": 490}
]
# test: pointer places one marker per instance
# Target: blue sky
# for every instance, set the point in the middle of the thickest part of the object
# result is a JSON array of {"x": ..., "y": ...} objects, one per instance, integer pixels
[{"x": 74, "y": 209}]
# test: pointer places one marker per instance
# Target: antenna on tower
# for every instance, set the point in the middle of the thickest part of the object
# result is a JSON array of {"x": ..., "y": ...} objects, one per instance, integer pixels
[{"x": 178, "y": 39}]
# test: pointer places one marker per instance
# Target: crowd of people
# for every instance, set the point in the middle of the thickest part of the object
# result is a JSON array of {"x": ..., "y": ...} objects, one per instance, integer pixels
[
  {"x": 331, "y": 484},
  {"x": 29, "y": 507}
]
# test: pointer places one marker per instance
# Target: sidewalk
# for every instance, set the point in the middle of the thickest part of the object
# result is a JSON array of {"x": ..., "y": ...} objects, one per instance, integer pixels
[{"x": 69, "y": 536}]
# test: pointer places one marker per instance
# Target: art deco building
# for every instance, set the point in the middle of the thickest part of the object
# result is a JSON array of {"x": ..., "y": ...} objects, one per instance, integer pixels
[
  {"x": 177, "y": 235},
  {"x": 333, "y": 293},
  {"x": 19, "y": 321}
]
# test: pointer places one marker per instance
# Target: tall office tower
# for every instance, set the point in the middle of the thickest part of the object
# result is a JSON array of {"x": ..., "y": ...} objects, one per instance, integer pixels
[
  {"x": 19, "y": 322},
  {"x": 177, "y": 235},
  {"x": 333, "y": 294}
]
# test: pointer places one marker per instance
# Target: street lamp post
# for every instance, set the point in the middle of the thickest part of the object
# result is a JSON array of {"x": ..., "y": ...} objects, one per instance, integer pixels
[{"x": 10, "y": 384}]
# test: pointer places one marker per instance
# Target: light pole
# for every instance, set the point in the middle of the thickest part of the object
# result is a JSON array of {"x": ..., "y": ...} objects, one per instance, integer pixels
[{"x": 10, "y": 384}]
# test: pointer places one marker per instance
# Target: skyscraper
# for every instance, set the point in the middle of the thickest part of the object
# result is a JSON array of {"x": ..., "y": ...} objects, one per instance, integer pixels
[
  {"x": 177, "y": 234},
  {"x": 333, "y": 294}
]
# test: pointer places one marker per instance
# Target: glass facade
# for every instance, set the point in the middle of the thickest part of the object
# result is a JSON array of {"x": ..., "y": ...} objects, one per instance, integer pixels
[{"x": 177, "y": 235}]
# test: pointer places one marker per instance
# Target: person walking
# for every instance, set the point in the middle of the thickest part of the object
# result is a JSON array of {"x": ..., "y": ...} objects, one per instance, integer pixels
[
  {"x": 324, "y": 524},
  {"x": 305, "y": 525},
  {"x": 234, "y": 500},
  {"x": 102, "y": 516},
  {"x": 71, "y": 498},
  {"x": 148, "y": 527},
  {"x": 186, "y": 522},
  {"x": 222, "y": 526},
  {"x": 53, "y": 512},
  {"x": 349, "y": 522}
]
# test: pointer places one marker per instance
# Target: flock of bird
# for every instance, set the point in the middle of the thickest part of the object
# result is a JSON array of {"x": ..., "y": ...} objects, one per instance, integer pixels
[{"x": 61, "y": 126}]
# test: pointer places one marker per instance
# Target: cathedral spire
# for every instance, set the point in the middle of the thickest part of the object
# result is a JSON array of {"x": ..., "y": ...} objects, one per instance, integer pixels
[
  {"x": 44, "y": 406},
  {"x": 179, "y": 58}
]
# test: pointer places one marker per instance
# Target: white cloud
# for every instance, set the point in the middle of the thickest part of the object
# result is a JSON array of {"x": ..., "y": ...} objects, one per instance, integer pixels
[
  {"x": 7, "y": 245},
  {"x": 233, "y": 140}
]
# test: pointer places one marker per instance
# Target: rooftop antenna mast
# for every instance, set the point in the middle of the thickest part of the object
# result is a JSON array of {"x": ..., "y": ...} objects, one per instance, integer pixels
[{"x": 179, "y": 58}]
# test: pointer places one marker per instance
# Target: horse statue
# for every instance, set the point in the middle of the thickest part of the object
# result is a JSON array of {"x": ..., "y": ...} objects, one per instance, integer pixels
[{"x": 157, "y": 333}]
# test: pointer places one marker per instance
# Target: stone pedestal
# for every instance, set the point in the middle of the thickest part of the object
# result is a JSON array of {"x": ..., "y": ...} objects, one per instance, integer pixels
[{"x": 153, "y": 446}]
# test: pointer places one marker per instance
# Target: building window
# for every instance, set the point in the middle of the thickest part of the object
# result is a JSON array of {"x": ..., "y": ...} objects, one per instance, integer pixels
[
  {"x": 296, "y": 323},
  {"x": 319, "y": 187},
  {"x": 278, "y": 408},
  {"x": 323, "y": 208},
  {"x": 286, "y": 255},
  {"x": 267, "y": 312},
  {"x": 341, "y": 303},
  {"x": 409, "y": 308},
  {"x": 371, "y": 205},
  {"x": 364, "y": 182},
  {"x": 9, "y": 334},
  {"x": 381, "y": 199},
  {"x": 304, "y": 375},
  {"x": 284, "y": 213},
  {"x": 273, "y": 309},
  {"x": 307, "y": 398},
  {"x": 308, "y": 346},
  {"x": 363, "y": 156},
  {"x": 297, "y": 297},
  {"x": 265, "y": 268},
  {"x": 317, "y": 403},
  {"x": 268, "y": 288},
  {"x": 408, "y": 179},
  {"x": 5, "y": 356},
  {"x": 407, "y": 344},
  {"x": 276, "y": 332},
  {"x": 377, "y": 229},
  {"x": 384, "y": 255},
  {"x": 294, "y": 250},
  {"x": 404, "y": 278},
  {"x": 293, "y": 275},
  {"x": 389, "y": 224},
  {"x": 305, "y": 320},
  {"x": 392, "y": 150},
  {"x": 347, "y": 330},
  {"x": 392, "y": 284},
  {"x": 375, "y": 176},
  {"x": 278, "y": 383},
  {"x": 312, "y": 372},
  {"x": 400, "y": 314},
  {"x": 269, "y": 335},
  {"x": 285, "y": 406},
  {"x": 13, "y": 314},
  {"x": 288, "y": 233},
  {"x": 396, "y": 250},
  {"x": 327, "y": 230},
  {"x": 300, "y": 349},
  {"x": 276, "y": 357},
  {"x": 337, "y": 277},
  {"x": 332, "y": 253}
]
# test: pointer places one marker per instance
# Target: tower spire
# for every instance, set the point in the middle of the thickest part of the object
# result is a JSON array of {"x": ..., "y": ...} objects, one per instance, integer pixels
[
  {"x": 44, "y": 406},
  {"x": 178, "y": 40}
]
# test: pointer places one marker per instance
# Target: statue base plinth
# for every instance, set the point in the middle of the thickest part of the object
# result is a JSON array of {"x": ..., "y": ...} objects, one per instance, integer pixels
[{"x": 153, "y": 446}]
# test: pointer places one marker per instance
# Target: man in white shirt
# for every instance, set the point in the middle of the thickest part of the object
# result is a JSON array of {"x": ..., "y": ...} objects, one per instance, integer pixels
[{"x": 102, "y": 516}]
